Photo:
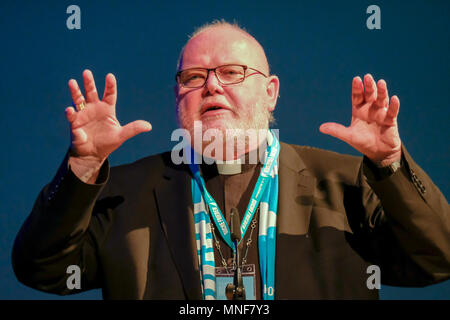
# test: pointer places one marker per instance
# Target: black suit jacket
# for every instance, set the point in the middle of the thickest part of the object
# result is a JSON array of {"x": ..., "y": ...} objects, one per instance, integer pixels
[{"x": 132, "y": 234}]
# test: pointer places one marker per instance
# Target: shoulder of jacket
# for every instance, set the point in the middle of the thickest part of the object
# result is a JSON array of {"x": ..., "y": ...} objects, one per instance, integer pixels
[
  {"x": 148, "y": 167},
  {"x": 307, "y": 152},
  {"x": 325, "y": 163}
]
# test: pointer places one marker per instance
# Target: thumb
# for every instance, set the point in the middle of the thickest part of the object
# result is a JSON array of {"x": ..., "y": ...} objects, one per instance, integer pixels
[
  {"x": 336, "y": 130},
  {"x": 134, "y": 128}
]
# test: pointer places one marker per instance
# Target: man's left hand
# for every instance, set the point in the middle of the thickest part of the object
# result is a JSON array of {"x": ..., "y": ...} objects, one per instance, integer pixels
[{"x": 373, "y": 130}]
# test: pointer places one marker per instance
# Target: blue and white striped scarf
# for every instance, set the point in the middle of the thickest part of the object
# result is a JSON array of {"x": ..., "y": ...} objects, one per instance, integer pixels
[{"x": 266, "y": 239}]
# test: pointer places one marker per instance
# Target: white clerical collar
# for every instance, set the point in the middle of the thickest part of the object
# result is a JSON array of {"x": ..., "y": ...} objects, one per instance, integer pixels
[{"x": 229, "y": 167}]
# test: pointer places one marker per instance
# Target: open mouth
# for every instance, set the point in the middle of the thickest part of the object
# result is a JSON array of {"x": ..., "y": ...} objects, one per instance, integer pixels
[{"x": 213, "y": 109}]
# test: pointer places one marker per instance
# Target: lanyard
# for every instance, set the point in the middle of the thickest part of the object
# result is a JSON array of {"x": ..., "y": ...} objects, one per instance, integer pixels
[
  {"x": 263, "y": 180},
  {"x": 267, "y": 240}
]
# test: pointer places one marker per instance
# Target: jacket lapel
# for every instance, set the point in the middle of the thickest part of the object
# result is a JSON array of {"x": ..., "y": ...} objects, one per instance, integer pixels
[
  {"x": 296, "y": 193},
  {"x": 176, "y": 212}
]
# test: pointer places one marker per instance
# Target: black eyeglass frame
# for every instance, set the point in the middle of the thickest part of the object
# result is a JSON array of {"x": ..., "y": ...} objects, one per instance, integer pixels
[{"x": 208, "y": 70}]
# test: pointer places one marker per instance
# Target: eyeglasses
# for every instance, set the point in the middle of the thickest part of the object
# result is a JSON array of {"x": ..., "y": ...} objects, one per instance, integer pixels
[{"x": 226, "y": 74}]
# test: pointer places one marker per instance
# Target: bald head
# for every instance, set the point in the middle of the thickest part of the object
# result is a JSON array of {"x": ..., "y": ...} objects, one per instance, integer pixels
[{"x": 226, "y": 37}]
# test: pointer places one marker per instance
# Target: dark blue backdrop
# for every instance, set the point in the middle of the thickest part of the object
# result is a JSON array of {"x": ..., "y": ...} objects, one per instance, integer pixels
[{"x": 315, "y": 49}]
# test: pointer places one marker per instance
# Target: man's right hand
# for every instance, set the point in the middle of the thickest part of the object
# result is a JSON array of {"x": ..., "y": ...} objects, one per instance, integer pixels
[{"x": 95, "y": 130}]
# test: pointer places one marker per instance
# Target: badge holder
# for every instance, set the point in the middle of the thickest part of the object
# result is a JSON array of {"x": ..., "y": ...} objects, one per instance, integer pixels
[
  {"x": 235, "y": 290},
  {"x": 225, "y": 278}
]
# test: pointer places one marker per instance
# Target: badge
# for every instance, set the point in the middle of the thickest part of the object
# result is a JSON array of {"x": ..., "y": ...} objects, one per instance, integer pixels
[{"x": 224, "y": 276}]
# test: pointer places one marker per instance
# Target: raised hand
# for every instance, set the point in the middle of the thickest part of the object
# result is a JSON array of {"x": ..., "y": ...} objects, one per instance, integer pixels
[
  {"x": 373, "y": 130},
  {"x": 96, "y": 132}
]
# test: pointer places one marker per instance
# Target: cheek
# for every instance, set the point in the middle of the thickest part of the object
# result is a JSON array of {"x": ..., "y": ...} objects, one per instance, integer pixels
[
  {"x": 183, "y": 116},
  {"x": 188, "y": 106},
  {"x": 241, "y": 99},
  {"x": 247, "y": 102}
]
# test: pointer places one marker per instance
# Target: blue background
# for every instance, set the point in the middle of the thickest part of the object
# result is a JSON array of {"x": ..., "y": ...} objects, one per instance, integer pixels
[{"x": 315, "y": 49}]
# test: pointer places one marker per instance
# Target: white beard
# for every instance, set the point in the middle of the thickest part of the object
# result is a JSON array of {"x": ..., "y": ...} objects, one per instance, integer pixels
[{"x": 254, "y": 118}]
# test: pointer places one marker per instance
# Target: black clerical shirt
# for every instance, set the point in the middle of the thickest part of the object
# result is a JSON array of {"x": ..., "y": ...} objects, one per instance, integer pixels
[{"x": 235, "y": 191}]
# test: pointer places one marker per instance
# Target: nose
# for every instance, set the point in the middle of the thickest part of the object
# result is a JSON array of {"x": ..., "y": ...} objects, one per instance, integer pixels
[{"x": 212, "y": 84}]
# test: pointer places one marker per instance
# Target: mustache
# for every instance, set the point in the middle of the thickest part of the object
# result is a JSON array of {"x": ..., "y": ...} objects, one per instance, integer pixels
[{"x": 258, "y": 109}]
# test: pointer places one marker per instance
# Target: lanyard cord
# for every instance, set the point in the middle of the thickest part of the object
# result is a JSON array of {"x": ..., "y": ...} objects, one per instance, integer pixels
[{"x": 248, "y": 244}]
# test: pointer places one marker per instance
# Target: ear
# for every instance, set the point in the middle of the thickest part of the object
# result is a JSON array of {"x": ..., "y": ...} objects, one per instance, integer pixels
[{"x": 272, "y": 89}]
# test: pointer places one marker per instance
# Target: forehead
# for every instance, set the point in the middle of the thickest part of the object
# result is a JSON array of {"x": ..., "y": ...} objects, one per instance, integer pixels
[{"x": 222, "y": 45}]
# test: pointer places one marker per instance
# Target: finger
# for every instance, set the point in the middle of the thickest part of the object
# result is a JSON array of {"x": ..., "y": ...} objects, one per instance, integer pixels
[
  {"x": 89, "y": 86},
  {"x": 357, "y": 91},
  {"x": 370, "y": 94},
  {"x": 134, "y": 128},
  {"x": 336, "y": 130},
  {"x": 71, "y": 114},
  {"x": 382, "y": 95},
  {"x": 110, "y": 94},
  {"x": 394, "y": 107},
  {"x": 75, "y": 92}
]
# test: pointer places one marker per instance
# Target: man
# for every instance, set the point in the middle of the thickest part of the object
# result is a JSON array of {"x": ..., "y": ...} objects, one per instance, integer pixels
[{"x": 153, "y": 229}]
